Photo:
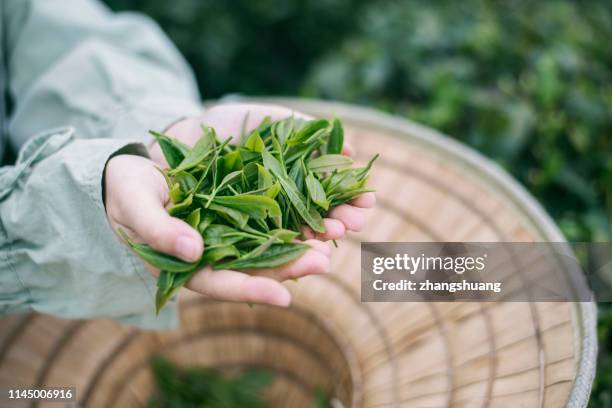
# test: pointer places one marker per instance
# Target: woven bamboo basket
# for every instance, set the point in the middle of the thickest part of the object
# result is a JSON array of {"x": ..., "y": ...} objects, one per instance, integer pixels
[{"x": 363, "y": 354}]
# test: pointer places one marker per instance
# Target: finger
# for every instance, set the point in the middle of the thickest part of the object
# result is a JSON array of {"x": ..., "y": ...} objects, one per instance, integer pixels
[
  {"x": 307, "y": 232},
  {"x": 347, "y": 149},
  {"x": 320, "y": 246},
  {"x": 353, "y": 218},
  {"x": 313, "y": 262},
  {"x": 334, "y": 229},
  {"x": 365, "y": 200},
  {"x": 236, "y": 286},
  {"x": 149, "y": 220}
]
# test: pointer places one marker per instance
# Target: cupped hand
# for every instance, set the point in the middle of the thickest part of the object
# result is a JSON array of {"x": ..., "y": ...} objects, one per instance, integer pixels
[
  {"x": 233, "y": 119},
  {"x": 136, "y": 195}
]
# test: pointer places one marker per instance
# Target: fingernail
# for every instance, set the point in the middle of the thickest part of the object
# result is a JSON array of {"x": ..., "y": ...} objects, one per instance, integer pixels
[{"x": 187, "y": 248}]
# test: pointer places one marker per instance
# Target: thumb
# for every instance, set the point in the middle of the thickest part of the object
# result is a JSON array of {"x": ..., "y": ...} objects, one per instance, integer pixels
[{"x": 147, "y": 217}]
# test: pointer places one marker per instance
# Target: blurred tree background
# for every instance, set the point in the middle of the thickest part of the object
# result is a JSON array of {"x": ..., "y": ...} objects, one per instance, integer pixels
[{"x": 528, "y": 84}]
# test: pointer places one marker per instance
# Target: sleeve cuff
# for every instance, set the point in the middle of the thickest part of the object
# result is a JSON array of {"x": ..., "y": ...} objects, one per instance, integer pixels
[
  {"x": 67, "y": 258},
  {"x": 137, "y": 149}
]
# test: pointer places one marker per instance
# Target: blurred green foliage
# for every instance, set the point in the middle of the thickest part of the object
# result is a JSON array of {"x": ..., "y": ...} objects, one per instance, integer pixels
[
  {"x": 252, "y": 47},
  {"x": 201, "y": 387},
  {"x": 528, "y": 83}
]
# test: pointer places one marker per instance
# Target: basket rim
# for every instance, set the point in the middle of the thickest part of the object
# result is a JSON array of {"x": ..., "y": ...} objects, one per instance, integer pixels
[{"x": 586, "y": 311}]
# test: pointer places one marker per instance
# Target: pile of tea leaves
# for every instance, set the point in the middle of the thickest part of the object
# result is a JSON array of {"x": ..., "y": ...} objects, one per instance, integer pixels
[
  {"x": 249, "y": 200},
  {"x": 185, "y": 387}
]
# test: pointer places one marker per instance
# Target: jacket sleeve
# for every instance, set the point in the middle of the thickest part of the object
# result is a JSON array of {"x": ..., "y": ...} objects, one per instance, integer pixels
[
  {"x": 74, "y": 63},
  {"x": 86, "y": 84}
]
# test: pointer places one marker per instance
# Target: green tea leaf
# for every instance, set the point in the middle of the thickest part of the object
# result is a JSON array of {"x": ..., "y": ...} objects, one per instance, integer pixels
[
  {"x": 255, "y": 206},
  {"x": 171, "y": 150},
  {"x": 264, "y": 178},
  {"x": 336, "y": 138},
  {"x": 232, "y": 161},
  {"x": 203, "y": 147},
  {"x": 166, "y": 178},
  {"x": 315, "y": 190},
  {"x": 363, "y": 172},
  {"x": 285, "y": 235},
  {"x": 307, "y": 130},
  {"x": 272, "y": 164},
  {"x": 181, "y": 146},
  {"x": 264, "y": 127},
  {"x": 217, "y": 234},
  {"x": 273, "y": 190},
  {"x": 297, "y": 175},
  {"x": 157, "y": 259},
  {"x": 236, "y": 217},
  {"x": 283, "y": 129},
  {"x": 217, "y": 173},
  {"x": 175, "y": 282},
  {"x": 205, "y": 222},
  {"x": 182, "y": 207},
  {"x": 329, "y": 162},
  {"x": 341, "y": 198},
  {"x": 164, "y": 289},
  {"x": 275, "y": 256},
  {"x": 257, "y": 251},
  {"x": 214, "y": 255},
  {"x": 277, "y": 151},
  {"x": 340, "y": 181},
  {"x": 186, "y": 181},
  {"x": 229, "y": 178},
  {"x": 297, "y": 199},
  {"x": 310, "y": 215},
  {"x": 248, "y": 156},
  {"x": 254, "y": 143},
  {"x": 164, "y": 280},
  {"x": 176, "y": 193},
  {"x": 193, "y": 218}
]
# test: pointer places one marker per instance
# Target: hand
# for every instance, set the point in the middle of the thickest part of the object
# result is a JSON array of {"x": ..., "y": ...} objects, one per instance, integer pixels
[
  {"x": 229, "y": 120},
  {"x": 136, "y": 196}
]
